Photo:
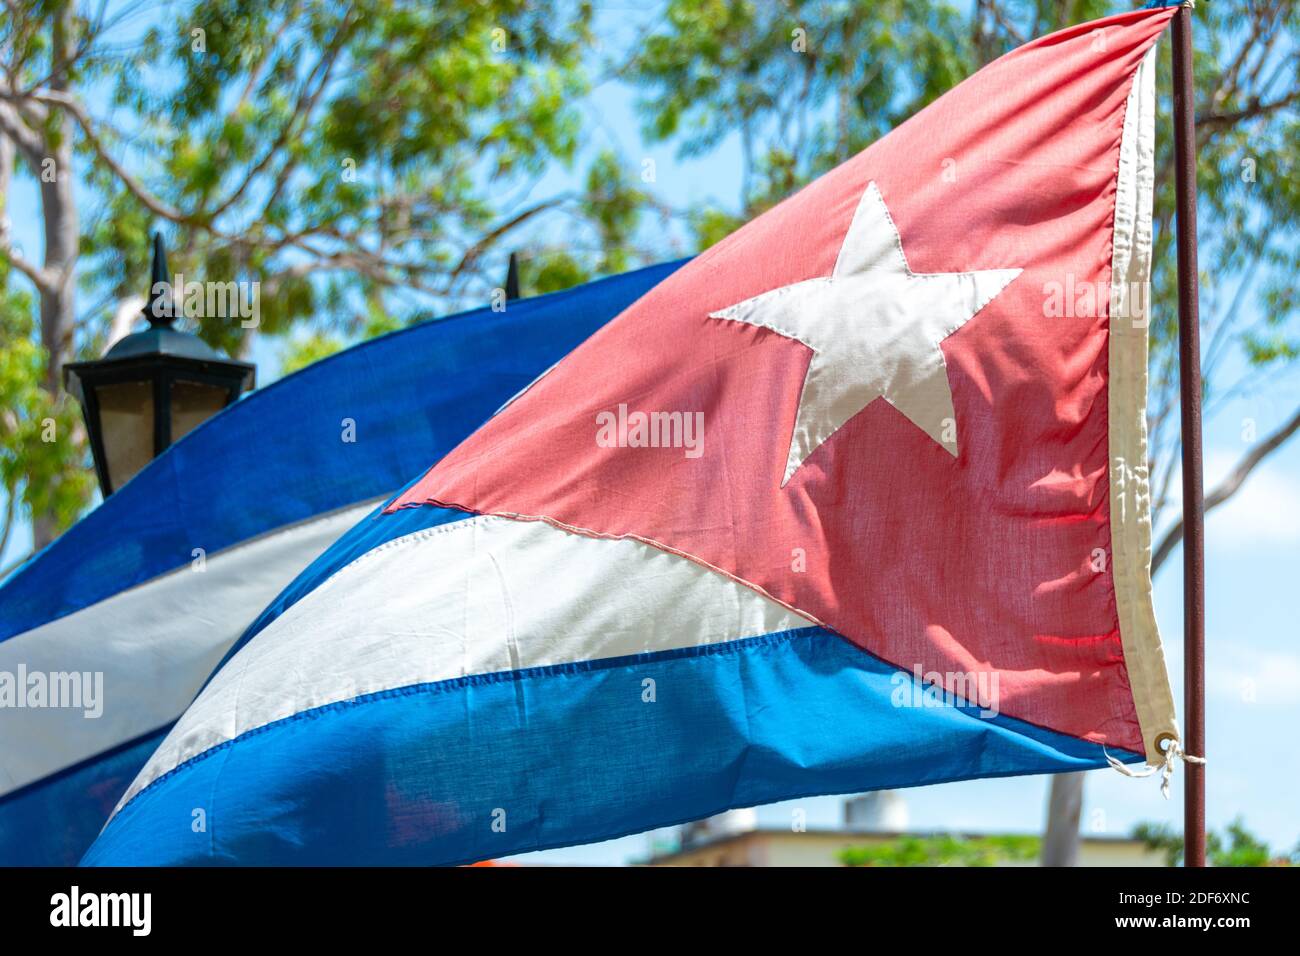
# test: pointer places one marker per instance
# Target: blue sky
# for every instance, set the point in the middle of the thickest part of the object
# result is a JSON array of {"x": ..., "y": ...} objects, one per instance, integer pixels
[{"x": 1253, "y": 566}]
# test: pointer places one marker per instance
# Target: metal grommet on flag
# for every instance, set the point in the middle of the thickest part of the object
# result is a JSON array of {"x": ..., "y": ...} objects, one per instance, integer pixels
[{"x": 1173, "y": 750}]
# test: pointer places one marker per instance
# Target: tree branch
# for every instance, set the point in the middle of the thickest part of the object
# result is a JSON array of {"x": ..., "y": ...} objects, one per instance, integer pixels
[
  {"x": 1256, "y": 108},
  {"x": 10, "y": 511},
  {"x": 474, "y": 251},
  {"x": 43, "y": 280},
  {"x": 14, "y": 564},
  {"x": 308, "y": 96},
  {"x": 28, "y": 140},
  {"x": 133, "y": 185},
  {"x": 1229, "y": 486}
]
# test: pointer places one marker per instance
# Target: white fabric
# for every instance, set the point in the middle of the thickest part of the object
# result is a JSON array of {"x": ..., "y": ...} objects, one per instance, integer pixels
[
  {"x": 1130, "y": 494},
  {"x": 874, "y": 328},
  {"x": 155, "y": 645},
  {"x": 480, "y": 596}
]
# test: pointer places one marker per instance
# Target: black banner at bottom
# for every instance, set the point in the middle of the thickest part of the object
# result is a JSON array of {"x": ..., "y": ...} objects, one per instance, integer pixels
[{"x": 534, "y": 903}]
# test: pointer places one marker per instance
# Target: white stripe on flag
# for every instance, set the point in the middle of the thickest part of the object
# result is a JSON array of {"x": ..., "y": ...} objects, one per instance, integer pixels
[
  {"x": 154, "y": 646},
  {"x": 480, "y": 596}
]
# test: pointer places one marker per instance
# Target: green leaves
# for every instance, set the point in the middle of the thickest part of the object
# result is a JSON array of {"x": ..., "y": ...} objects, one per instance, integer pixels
[
  {"x": 945, "y": 850},
  {"x": 43, "y": 455},
  {"x": 613, "y": 204},
  {"x": 806, "y": 83},
  {"x": 356, "y": 161},
  {"x": 1235, "y": 846},
  {"x": 361, "y": 147}
]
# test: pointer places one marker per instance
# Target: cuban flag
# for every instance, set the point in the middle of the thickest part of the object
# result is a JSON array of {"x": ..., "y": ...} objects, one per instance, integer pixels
[
  {"x": 856, "y": 499},
  {"x": 138, "y": 603}
]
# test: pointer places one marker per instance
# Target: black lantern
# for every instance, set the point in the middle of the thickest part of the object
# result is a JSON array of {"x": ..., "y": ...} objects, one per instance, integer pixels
[{"x": 151, "y": 388}]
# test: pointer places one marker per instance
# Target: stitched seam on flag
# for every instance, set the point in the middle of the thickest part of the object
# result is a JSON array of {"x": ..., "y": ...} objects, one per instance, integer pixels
[
  {"x": 772, "y": 294},
  {"x": 610, "y": 536},
  {"x": 424, "y": 533},
  {"x": 402, "y": 541},
  {"x": 629, "y": 536},
  {"x": 574, "y": 668}
]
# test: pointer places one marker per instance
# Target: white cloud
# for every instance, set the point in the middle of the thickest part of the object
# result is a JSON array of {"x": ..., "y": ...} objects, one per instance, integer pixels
[
  {"x": 1268, "y": 679},
  {"x": 1265, "y": 509}
]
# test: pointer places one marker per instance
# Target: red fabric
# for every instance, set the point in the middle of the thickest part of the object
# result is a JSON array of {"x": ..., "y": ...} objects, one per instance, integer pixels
[{"x": 922, "y": 559}]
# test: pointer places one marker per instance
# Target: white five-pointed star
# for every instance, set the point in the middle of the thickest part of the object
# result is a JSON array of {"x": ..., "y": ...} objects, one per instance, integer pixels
[{"x": 874, "y": 328}]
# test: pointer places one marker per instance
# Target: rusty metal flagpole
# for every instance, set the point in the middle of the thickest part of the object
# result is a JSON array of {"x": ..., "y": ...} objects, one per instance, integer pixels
[{"x": 1189, "y": 366}]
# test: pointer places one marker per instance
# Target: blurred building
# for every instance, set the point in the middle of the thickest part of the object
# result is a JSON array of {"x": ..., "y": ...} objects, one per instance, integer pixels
[{"x": 871, "y": 820}]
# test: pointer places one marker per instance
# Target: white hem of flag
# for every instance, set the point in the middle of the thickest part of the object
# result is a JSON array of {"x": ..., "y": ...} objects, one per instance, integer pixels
[{"x": 1130, "y": 493}]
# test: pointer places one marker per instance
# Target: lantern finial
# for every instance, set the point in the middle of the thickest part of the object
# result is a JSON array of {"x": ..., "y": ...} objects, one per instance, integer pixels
[
  {"x": 159, "y": 311},
  {"x": 512, "y": 278}
]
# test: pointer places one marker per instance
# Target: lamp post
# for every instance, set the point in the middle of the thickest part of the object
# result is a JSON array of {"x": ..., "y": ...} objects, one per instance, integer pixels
[{"x": 152, "y": 387}]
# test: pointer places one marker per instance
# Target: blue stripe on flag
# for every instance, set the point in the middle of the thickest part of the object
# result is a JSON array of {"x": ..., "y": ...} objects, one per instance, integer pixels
[
  {"x": 53, "y": 820},
  {"x": 567, "y": 754}
]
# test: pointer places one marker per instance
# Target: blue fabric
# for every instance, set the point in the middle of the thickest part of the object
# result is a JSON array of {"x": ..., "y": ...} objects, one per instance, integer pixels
[
  {"x": 52, "y": 821},
  {"x": 272, "y": 459},
  {"x": 570, "y": 754},
  {"x": 277, "y": 457}
]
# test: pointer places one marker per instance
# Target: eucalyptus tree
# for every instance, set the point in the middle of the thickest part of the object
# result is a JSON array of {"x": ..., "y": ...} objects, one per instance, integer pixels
[{"x": 361, "y": 161}]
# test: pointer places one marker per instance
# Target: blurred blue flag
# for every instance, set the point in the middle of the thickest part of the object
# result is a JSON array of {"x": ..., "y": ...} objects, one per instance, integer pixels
[{"x": 107, "y": 634}]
